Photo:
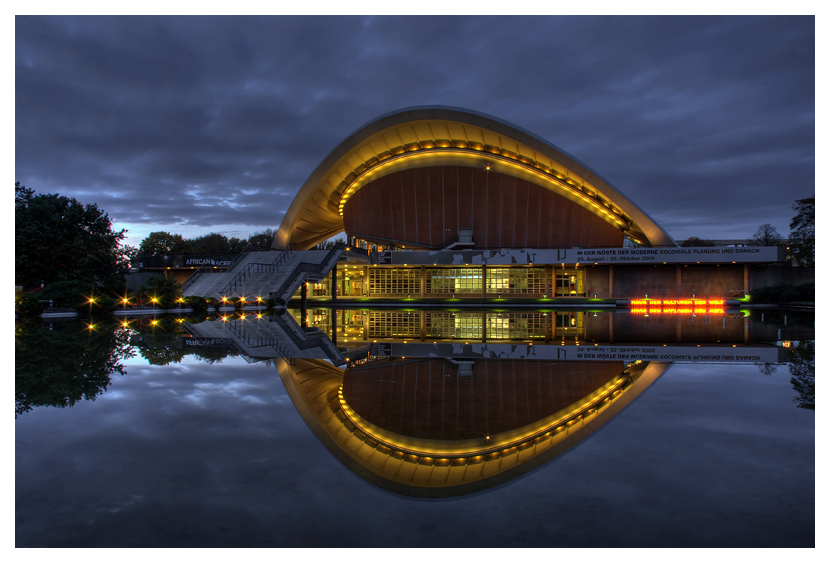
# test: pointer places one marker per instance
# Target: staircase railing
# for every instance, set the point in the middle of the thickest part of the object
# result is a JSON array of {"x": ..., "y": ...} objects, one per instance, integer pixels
[
  {"x": 194, "y": 276},
  {"x": 309, "y": 338},
  {"x": 191, "y": 279},
  {"x": 257, "y": 268},
  {"x": 314, "y": 270},
  {"x": 259, "y": 342}
]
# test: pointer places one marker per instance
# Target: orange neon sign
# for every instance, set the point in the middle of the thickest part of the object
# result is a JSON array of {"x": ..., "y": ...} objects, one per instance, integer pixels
[
  {"x": 677, "y": 310},
  {"x": 685, "y": 301}
]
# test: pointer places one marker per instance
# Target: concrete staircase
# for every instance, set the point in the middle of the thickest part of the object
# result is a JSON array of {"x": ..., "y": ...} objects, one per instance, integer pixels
[{"x": 275, "y": 274}]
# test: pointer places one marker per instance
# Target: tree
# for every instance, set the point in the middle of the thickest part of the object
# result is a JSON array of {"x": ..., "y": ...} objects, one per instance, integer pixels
[
  {"x": 803, "y": 233},
  {"x": 162, "y": 243},
  {"x": 214, "y": 243},
  {"x": 165, "y": 291},
  {"x": 326, "y": 245},
  {"x": 694, "y": 241},
  {"x": 263, "y": 239},
  {"x": 59, "y": 239},
  {"x": 802, "y": 365},
  {"x": 62, "y": 364},
  {"x": 766, "y": 235}
]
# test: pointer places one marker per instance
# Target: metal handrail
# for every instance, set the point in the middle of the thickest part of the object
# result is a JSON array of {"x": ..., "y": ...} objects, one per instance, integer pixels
[
  {"x": 311, "y": 338},
  {"x": 194, "y": 276},
  {"x": 274, "y": 343},
  {"x": 271, "y": 267},
  {"x": 310, "y": 267}
]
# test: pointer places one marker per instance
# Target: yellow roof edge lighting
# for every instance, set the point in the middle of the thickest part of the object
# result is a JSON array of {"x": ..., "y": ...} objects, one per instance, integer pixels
[{"x": 440, "y": 135}]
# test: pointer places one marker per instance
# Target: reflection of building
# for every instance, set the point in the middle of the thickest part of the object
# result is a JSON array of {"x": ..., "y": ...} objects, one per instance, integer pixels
[
  {"x": 429, "y": 325},
  {"x": 436, "y": 437},
  {"x": 455, "y": 416},
  {"x": 453, "y": 204}
]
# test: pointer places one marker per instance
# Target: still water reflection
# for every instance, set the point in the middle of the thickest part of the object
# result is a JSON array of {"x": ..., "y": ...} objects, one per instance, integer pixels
[{"x": 180, "y": 434}]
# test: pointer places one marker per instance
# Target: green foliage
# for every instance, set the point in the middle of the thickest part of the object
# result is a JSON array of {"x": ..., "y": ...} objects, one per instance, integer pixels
[
  {"x": 158, "y": 341},
  {"x": 694, "y": 241},
  {"x": 61, "y": 364},
  {"x": 803, "y": 233},
  {"x": 263, "y": 239},
  {"x": 27, "y": 304},
  {"x": 165, "y": 290},
  {"x": 802, "y": 365},
  {"x": 104, "y": 302},
  {"x": 73, "y": 293},
  {"x": 162, "y": 243},
  {"x": 199, "y": 304},
  {"x": 212, "y": 356},
  {"x": 783, "y": 293},
  {"x": 59, "y": 239},
  {"x": 216, "y": 243}
]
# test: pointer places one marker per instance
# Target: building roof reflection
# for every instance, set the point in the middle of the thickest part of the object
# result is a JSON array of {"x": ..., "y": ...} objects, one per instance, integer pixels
[{"x": 422, "y": 461}]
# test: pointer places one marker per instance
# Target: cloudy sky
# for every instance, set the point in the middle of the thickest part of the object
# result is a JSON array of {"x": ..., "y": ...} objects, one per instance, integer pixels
[{"x": 200, "y": 124}]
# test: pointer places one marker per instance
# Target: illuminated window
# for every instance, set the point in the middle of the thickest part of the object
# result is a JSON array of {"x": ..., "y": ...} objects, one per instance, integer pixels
[
  {"x": 391, "y": 324},
  {"x": 453, "y": 326},
  {"x": 398, "y": 281},
  {"x": 446, "y": 281},
  {"x": 515, "y": 326},
  {"x": 516, "y": 281}
]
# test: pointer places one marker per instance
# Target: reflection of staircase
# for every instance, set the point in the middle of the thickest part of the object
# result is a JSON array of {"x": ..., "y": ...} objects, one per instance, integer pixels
[
  {"x": 277, "y": 336},
  {"x": 308, "y": 338}
]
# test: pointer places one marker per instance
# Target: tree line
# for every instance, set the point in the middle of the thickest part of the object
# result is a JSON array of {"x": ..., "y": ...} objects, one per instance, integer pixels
[
  {"x": 59, "y": 239},
  {"x": 162, "y": 243},
  {"x": 801, "y": 244}
]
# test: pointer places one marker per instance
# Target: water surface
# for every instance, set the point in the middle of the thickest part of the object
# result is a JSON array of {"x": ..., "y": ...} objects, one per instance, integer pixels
[{"x": 170, "y": 448}]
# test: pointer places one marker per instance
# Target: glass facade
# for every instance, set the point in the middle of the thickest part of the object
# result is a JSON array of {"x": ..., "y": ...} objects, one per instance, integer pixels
[
  {"x": 395, "y": 281},
  {"x": 446, "y": 281},
  {"x": 481, "y": 326},
  {"x": 358, "y": 281},
  {"x": 394, "y": 324},
  {"x": 516, "y": 281},
  {"x": 453, "y": 326},
  {"x": 516, "y": 326}
]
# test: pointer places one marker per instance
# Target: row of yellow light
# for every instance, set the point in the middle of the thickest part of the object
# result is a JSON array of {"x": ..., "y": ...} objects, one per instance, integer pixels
[
  {"x": 242, "y": 299},
  {"x": 551, "y": 177},
  {"x": 602, "y": 398},
  {"x": 242, "y": 317}
]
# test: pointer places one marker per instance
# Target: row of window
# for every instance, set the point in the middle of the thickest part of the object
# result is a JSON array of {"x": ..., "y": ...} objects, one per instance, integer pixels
[
  {"x": 460, "y": 325},
  {"x": 470, "y": 281}
]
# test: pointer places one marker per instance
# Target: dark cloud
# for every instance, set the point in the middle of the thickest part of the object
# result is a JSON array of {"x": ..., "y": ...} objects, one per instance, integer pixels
[{"x": 707, "y": 123}]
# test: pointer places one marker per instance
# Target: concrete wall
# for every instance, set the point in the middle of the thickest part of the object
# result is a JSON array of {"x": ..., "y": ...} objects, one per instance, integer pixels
[
  {"x": 707, "y": 280},
  {"x": 703, "y": 280},
  {"x": 638, "y": 281}
]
